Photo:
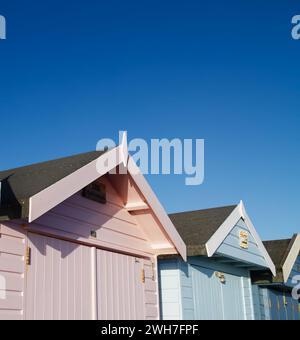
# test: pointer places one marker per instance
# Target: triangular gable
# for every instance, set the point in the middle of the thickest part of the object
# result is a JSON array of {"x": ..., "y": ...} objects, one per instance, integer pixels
[
  {"x": 238, "y": 214},
  {"x": 53, "y": 195},
  {"x": 241, "y": 246}
]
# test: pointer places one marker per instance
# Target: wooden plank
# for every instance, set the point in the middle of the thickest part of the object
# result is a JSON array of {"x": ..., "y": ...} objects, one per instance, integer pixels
[
  {"x": 151, "y": 311},
  {"x": 11, "y": 314},
  {"x": 13, "y": 300},
  {"x": 12, "y": 265},
  {"x": 84, "y": 228},
  {"x": 150, "y": 298},
  {"x": 12, "y": 245},
  {"x": 13, "y": 281},
  {"x": 10, "y": 229},
  {"x": 110, "y": 208}
]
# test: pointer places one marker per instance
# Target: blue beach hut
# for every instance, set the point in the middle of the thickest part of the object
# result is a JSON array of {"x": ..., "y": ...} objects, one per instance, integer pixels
[
  {"x": 223, "y": 247},
  {"x": 277, "y": 297}
]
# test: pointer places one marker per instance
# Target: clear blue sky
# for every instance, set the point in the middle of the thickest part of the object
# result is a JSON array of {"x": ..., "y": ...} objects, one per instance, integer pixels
[{"x": 72, "y": 72}]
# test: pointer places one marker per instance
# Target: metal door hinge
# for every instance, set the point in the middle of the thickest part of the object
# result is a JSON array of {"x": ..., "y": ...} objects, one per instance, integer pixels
[
  {"x": 143, "y": 276},
  {"x": 28, "y": 256},
  {"x": 153, "y": 271}
]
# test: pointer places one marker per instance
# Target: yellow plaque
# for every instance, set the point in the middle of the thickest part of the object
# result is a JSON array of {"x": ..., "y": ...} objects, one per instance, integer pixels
[{"x": 244, "y": 239}]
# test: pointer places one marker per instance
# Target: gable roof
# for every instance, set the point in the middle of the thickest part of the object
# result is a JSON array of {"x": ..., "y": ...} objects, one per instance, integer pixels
[
  {"x": 284, "y": 254},
  {"x": 278, "y": 250},
  {"x": 197, "y": 227},
  {"x": 18, "y": 185},
  {"x": 203, "y": 231},
  {"x": 29, "y": 192}
]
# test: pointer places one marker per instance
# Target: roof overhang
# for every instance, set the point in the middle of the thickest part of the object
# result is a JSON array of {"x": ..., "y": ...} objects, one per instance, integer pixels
[
  {"x": 55, "y": 194},
  {"x": 216, "y": 240}
]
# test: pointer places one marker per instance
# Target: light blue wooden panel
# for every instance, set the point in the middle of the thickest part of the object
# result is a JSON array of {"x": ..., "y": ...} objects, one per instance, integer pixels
[
  {"x": 275, "y": 304},
  {"x": 207, "y": 294},
  {"x": 194, "y": 287},
  {"x": 170, "y": 290},
  {"x": 257, "y": 307},
  {"x": 295, "y": 271},
  {"x": 265, "y": 303},
  {"x": 233, "y": 303},
  {"x": 248, "y": 297},
  {"x": 231, "y": 247},
  {"x": 187, "y": 296}
]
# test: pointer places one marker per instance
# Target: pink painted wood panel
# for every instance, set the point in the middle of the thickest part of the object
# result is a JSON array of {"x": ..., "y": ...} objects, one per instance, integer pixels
[
  {"x": 151, "y": 290},
  {"x": 115, "y": 227},
  {"x": 58, "y": 280},
  {"x": 12, "y": 268},
  {"x": 120, "y": 287}
]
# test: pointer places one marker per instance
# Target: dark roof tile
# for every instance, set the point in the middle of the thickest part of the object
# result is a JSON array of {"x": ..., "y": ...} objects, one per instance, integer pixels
[
  {"x": 18, "y": 185},
  {"x": 197, "y": 227}
]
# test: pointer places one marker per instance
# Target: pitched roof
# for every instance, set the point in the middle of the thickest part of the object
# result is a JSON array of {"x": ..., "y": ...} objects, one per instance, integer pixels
[
  {"x": 18, "y": 185},
  {"x": 278, "y": 250},
  {"x": 283, "y": 254},
  {"x": 197, "y": 227}
]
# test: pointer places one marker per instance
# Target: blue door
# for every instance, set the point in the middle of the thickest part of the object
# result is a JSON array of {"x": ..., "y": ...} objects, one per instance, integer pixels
[
  {"x": 216, "y": 299},
  {"x": 208, "y": 303},
  {"x": 233, "y": 300}
]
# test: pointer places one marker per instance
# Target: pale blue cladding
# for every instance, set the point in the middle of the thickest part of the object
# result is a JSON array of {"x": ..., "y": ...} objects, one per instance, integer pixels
[
  {"x": 195, "y": 291},
  {"x": 276, "y": 301},
  {"x": 231, "y": 247},
  {"x": 295, "y": 273},
  {"x": 200, "y": 295}
]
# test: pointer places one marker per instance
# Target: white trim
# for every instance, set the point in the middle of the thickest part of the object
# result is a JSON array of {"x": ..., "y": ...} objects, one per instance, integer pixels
[
  {"x": 57, "y": 193},
  {"x": 291, "y": 259},
  {"x": 156, "y": 207},
  {"x": 216, "y": 240},
  {"x": 219, "y": 236}
]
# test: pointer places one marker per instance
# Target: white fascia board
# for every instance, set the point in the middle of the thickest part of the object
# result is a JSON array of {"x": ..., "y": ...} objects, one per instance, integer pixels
[
  {"x": 258, "y": 240},
  {"x": 156, "y": 207},
  {"x": 219, "y": 236},
  {"x": 50, "y": 197},
  {"x": 216, "y": 240},
  {"x": 291, "y": 259}
]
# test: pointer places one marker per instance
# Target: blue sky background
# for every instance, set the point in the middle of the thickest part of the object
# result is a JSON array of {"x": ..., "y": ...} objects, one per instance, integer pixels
[{"x": 72, "y": 72}]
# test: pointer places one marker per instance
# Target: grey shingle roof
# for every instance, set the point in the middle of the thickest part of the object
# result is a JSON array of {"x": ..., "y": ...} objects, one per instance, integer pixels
[
  {"x": 197, "y": 227},
  {"x": 18, "y": 185},
  {"x": 278, "y": 250}
]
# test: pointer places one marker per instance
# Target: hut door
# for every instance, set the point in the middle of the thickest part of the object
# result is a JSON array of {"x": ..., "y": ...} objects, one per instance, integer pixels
[
  {"x": 59, "y": 284},
  {"x": 120, "y": 286},
  {"x": 233, "y": 298},
  {"x": 208, "y": 302}
]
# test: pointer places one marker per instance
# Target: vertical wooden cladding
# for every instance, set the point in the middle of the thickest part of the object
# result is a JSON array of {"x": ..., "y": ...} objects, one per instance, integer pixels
[
  {"x": 68, "y": 280},
  {"x": 122, "y": 292},
  {"x": 120, "y": 289},
  {"x": 60, "y": 283},
  {"x": 58, "y": 280},
  {"x": 12, "y": 266}
]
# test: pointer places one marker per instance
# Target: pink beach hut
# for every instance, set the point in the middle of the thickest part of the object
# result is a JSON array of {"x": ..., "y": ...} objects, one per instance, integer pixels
[{"x": 79, "y": 243}]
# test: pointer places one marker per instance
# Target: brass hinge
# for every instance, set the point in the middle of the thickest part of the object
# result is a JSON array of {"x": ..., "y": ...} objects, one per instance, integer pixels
[
  {"x": 153, "y": 271},
  {"x": 143, "y": 276},
  {"x": 28, "y": 256}
]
